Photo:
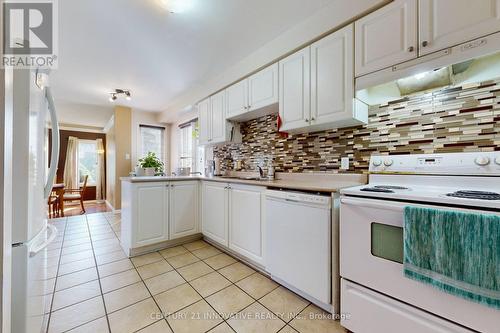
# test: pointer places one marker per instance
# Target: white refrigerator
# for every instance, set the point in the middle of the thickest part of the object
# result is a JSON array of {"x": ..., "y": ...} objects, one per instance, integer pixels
[{"x": 34, "y": 256}]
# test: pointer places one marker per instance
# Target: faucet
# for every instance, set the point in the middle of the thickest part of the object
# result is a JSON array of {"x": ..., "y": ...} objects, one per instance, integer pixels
[{"x": 261, "y": 172}]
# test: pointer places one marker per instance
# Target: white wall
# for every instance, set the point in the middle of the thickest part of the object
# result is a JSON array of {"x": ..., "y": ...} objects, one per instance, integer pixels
[
  {"x": 332, "y": 17},
  {"x": 83, "y": 114},
  {"x": 148, "y": 118}
]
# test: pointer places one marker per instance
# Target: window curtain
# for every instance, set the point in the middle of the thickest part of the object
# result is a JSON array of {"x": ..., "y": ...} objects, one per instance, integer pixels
[
  {"x": 100, "y": 184},
  {"x": 71, "y": 165}
]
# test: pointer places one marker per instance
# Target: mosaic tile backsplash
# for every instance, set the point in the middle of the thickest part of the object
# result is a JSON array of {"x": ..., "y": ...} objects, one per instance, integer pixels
[{"x": 458, "y": 119}]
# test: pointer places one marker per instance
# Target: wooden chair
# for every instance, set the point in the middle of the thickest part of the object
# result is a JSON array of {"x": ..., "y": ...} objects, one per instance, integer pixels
[
  {"x": 76, "y": 194},
  {"x": 53, "y": 203}
]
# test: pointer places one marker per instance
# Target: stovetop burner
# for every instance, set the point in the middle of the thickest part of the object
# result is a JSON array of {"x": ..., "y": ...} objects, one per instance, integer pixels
[{"x": 481, "y": 195}]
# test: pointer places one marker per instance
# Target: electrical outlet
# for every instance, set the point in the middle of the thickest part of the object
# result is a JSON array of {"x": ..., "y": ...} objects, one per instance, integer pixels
[{"x": 344, "y": 163}]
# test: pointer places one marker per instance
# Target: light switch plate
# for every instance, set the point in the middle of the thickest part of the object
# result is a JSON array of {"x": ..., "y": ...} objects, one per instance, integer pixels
[
  {"x": 344, "y": 163},
  {"x": 127, "y": 156}
]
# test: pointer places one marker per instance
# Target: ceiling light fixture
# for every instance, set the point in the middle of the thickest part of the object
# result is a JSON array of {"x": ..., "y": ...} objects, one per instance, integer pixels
[
  {"x": 177, "y": 6},
  {"x": 114, "y": 94}
]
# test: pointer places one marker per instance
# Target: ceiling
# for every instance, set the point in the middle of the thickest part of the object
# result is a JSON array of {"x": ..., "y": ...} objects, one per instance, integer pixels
[{"x": 138, "y": 45}]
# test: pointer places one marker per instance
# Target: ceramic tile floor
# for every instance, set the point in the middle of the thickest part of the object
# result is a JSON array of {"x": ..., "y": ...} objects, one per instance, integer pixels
[{"x": 191, "y": 288}]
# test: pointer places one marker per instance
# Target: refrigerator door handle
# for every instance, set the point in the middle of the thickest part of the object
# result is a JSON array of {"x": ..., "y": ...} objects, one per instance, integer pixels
[
  {"x": 54, "y": 154},
  {"x": 53, "y": 233}
]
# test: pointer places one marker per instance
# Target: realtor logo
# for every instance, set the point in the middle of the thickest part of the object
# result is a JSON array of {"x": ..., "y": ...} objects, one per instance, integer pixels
[{"x": 29, "y": 33}]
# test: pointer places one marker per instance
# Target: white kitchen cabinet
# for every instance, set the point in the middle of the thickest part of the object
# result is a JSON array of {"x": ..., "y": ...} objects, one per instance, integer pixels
[
  {"x": 237, "y": 99},
  {"x": 332, "y": 82},
  {"x": 246, "y": 221},
  {"x": 218, "y": 117},
  {"x": 215, "y": 212},
  {"x": 263, "y": 88},
  {"x": 151, "y": 211},
  {"x": 214, "y": 128},
  {"x": 445, "y": 23},
  {"x": 386, "y": 37},
  {"x": 254, "y": 96},
  {"x": 326, "y": 100},
  {"x": 294, "y": 90},
  {"x": 204, "y": 121},
  {"x": 183, "y": 208}
]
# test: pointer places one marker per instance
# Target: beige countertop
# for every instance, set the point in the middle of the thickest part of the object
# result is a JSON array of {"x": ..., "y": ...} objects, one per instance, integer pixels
[{"x": 318, "y": 182}]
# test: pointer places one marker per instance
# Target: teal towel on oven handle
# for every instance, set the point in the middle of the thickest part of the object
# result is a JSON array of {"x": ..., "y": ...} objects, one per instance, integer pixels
[{"x": 457, "y": 252}]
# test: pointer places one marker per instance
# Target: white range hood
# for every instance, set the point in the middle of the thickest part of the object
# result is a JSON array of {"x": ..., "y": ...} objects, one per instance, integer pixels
[{"x": 471, "y": 62}]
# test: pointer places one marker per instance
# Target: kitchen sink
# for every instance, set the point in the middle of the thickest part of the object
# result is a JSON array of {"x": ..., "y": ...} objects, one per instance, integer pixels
[{"x": 245, "y": 177}]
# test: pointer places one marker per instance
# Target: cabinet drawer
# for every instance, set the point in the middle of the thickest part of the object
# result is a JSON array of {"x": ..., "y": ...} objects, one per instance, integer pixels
[{"x": 370, "y": 312}]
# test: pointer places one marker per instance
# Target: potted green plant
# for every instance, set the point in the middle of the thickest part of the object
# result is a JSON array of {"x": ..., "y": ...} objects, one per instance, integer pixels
[{"x": 149, "y": 165}]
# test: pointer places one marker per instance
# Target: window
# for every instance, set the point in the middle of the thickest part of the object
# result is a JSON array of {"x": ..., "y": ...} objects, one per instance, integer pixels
[
  {"x": 186, "y": 149},
  {"x": 190, "y": 153},
  {"x": 87, "y": 161},
  {"x": 152, "y": 140}
]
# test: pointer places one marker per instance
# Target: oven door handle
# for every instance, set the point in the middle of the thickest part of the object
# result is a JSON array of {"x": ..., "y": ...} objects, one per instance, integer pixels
[{"x": 373, "y": 204}]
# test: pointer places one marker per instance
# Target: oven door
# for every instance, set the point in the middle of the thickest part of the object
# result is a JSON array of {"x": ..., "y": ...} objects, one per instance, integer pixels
[{"x": 371, "y": 254}]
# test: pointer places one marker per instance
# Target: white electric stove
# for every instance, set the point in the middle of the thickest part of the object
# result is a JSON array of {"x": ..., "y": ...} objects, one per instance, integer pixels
[{"x": 375, "y": 296}]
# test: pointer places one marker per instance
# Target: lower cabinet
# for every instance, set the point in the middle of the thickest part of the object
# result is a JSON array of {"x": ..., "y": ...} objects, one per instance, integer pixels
[
  {"x": 155, "y": 212},
  {"x": 151, "y": 213},
  {"x": 214, "y": 212},
  {"x": 183, "y": 208},
  {"x": 246, "y": 228},
  {"x": 232, "y": 215}
]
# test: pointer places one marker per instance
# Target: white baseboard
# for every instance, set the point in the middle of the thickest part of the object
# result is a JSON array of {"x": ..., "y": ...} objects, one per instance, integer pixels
[{"x": 115, "y": 211}]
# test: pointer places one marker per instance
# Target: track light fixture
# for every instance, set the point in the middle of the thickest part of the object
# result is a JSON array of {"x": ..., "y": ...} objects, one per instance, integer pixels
[{"x": 113, "y": 96}]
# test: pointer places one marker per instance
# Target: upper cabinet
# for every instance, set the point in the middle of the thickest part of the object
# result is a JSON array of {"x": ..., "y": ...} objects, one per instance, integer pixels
[
  {"x": 237, "y": 99},
  {"x": 317, "y": 86},
  {"x": 218, "y": 118},
  {"x": 204, "y": 116},
  {"x": 214, "y": 128},
  {"x": 444, "y": 23},
  {"x": 386, "y": 37},
  {"x": 294, "y": 91},
  {"x": 254, "y": 96},
  {"x": 263, "y": 88}
]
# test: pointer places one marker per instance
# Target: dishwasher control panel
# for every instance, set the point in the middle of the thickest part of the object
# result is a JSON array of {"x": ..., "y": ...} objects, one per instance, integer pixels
[{"x": 300, "y": 197}]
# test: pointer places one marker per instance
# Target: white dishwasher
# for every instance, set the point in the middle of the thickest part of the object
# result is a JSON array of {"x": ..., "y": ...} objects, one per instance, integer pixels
[{"x": 298, "y": 246}]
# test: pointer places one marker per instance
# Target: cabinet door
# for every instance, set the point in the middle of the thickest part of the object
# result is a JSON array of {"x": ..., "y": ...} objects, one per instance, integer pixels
[
  {"x": 204, "y": 119},
  {"x": 263, "y": 88},
  {"x": 214, "y": 212},
  {"x": 237, "y": 99},
  {"x": 445, "y": 23},
  {"x": 218, "y": 118},
  {"x": 152, "y": 213},
  {"x": 183, "y": 209},
  {"x": 332, "y": 77},
  {"x": 386, "y": 37},
  {"x": 294, "y": 90},
  {"x": 246, "y": 221}
]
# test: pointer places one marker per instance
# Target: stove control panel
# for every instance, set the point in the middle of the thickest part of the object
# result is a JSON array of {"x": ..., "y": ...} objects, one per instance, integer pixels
[{"x": 480, "y": 163}]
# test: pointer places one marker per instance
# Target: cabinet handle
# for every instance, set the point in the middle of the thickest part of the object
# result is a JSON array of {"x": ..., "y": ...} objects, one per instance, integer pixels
[
  {"x": 411, "y": 48},
  {"x": 425, "y": 43},
  {"x": 313, "y": 119},
  {"x": 307, "y": 120}
]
